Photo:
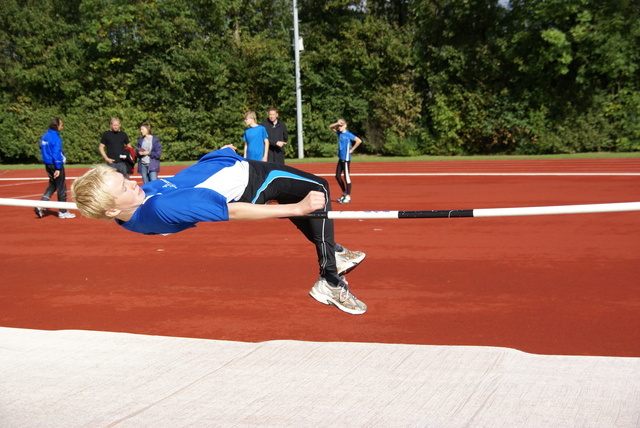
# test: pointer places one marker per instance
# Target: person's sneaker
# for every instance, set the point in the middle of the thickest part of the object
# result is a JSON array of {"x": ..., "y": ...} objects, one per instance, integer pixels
[
  {"x": 66, "y": 215},
  {"x": 344, "y": 199},
  {"x": 39, "y": 212},
  {"x": 347, "y": 260},
  {"x": 338, "y": 296}
]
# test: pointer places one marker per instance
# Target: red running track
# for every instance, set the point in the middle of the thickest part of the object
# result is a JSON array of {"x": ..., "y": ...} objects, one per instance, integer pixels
[{"x": 566, "y": 284}]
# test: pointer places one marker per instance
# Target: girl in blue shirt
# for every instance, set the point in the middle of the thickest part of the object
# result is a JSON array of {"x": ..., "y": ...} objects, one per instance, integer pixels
[{"x": 345, "y": 141}]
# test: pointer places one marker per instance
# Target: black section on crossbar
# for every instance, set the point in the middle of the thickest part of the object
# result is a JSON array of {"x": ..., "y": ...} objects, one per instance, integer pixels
[
  {"x": 404, "y": 214},
  {"x": 435, "y": 214}
]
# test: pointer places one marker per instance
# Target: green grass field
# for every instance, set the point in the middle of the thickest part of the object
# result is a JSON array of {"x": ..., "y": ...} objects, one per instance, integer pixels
[{"x": 369, "y": 158}]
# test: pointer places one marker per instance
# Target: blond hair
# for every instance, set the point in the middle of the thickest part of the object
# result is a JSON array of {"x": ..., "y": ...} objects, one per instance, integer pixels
[
  {"x": 91, "y": 195},
  {"x": 251, "y": 115}
]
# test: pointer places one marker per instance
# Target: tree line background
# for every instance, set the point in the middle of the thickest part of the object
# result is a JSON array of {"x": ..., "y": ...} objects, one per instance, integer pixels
[{"x": 437, "y": 77}]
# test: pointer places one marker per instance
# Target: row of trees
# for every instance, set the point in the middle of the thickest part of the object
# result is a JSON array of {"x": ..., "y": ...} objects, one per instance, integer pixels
[{"x": 410, "y": 76}]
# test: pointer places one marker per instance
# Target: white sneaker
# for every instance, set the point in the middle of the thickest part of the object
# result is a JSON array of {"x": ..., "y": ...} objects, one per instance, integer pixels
[
  {"x": 347, "y": 260},
  {"x": 338, "y": 296},
  {"x": 66, "y": 215},
  {"x": 344, "y": 199}
]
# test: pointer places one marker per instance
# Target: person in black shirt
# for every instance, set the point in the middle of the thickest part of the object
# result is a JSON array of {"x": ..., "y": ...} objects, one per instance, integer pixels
[{"x": 112, "y": 147}]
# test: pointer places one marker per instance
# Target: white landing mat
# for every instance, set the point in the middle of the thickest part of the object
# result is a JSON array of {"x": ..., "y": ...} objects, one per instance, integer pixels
[{"x": 96, "y": 379}]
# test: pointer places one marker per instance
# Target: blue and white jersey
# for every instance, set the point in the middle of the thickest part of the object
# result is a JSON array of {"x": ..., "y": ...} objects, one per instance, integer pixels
[
  {"x": 198, "y": 193},
  {"x": 345, "y": 140}
]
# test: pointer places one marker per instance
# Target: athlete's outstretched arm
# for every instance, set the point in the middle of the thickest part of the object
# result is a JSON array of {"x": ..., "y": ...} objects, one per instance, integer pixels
[{"x": 245, "y": 211}]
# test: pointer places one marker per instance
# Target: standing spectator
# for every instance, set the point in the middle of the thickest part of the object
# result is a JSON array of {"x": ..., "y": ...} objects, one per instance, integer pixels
[
  {"x": 278, "y": 136},
  {"x": 54, "y": 160},
  {"x": 345, "y": 141},
  {"x": 149, "y": 151},
  {"x": 256, "y": 140},
  {"x": 112, "y": 147}
]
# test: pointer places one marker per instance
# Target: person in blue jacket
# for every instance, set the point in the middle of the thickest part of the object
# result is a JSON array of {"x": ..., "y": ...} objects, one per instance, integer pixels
[
  {"x": 54, "y": 160},
  {"x": 224, "y": 186}
]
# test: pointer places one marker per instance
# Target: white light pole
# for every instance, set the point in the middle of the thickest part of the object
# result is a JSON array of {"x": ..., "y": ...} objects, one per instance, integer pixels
[{"x": 297, "y": 47}]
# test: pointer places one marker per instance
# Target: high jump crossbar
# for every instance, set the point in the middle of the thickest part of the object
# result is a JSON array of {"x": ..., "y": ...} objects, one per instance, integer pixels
[
  {"x": 480, "y": 212},
  {"x": 363, "y": 215},
  {"x": 40, "y": 204}
]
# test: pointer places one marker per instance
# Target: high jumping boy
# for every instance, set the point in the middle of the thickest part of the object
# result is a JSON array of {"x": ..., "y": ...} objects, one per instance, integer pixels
[{"x": 224, "y": 186}]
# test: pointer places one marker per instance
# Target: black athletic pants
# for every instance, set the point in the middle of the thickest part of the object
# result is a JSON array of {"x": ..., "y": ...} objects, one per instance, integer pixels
[
  {"x": 55, "y": 185},
  {"x": 344, "y": 166},
  {"x": 286, "y": 185}
]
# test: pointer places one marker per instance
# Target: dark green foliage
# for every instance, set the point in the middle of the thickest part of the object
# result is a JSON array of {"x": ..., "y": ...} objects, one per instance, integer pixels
[{"x": 411, "y": 77}]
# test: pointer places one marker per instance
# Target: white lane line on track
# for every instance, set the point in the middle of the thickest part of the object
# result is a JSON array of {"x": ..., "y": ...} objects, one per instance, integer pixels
[
  {"x": 526, "y": 174},
  {"x": 27, "y": 196},
  {"x": 425, "y": 174}
]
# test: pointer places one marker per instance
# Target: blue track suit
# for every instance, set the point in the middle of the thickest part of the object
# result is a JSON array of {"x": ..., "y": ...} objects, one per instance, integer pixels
[
  {"x": 54, "y": 160},
  {"x": 51, "y": 149},
  {"x": 202, "y": 191}
]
